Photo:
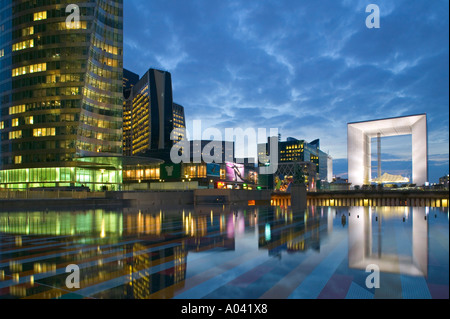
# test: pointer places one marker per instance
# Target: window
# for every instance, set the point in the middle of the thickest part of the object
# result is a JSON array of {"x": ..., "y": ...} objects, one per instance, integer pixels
[
  {"x": 16, "y": 109},
  {"x": 23, "y": 45},
  {"x": 29, "y": 120},
  {"x": 27, "y": 31},
  {"x": 15, "y": 135},
  {"x": 40, "y": 16},
  {"x": 18, "y": 159},
  {"x": 40, "y": 132},
  {"x": 29, "y": 69},
  {"x": 15, "y": 122},
  {"x": 2, "y": 53},
  {"x": 2, "y": 125}
]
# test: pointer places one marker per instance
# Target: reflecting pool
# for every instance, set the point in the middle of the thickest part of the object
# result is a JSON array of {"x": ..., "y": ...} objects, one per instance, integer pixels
[{"x": 223, "y": 252}]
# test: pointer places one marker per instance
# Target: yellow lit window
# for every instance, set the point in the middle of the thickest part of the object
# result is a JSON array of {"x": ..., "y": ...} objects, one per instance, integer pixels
[
  {"x": 15, "y": 122},
  {"x": 29, "y": 120},
  {"x": 2, "y": 53},
  {"x": 29, "y": 69},
  {"x": 2, "y": 125},
  {"x": 27, "y": 31},
  {"x": 18, "y": 159},
  {"x": 16, "y": 109},
  {"x": 74, "y": 25},
  {"x": 39, "y": 132},
  {"x": 15, "y": 135},
  {"x": 23, "y": 45},
  {"x": 40, "y": 16}
]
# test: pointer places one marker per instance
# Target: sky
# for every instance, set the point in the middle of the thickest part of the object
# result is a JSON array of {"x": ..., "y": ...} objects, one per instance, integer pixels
[{"x": 306, "y": 68}]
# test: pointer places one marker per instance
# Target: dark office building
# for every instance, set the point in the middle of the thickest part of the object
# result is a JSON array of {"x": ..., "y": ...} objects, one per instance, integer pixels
[
  {"x": 61, "y": 93},
  {"x": 129, "y": 81},
  {"x": 153, "y": 114}
]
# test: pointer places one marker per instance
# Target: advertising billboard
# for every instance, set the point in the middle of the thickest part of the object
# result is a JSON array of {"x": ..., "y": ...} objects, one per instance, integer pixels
[
  {"x": 235, "y": 172},
  {"x": 213, "y": 170}
]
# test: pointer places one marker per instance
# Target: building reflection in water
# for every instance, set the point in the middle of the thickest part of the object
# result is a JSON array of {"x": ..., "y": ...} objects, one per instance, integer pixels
[
  {"x": 145, "y": 253},
  {"x": 366, "y": 226}
]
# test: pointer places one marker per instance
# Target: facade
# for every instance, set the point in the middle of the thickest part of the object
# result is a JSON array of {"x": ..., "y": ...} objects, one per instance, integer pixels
[
  {"x": 61, "y": 94},
  {"x": 316, "y": 164},
  {"x": 129, "y": 81},
  {"x": 359, "y": 150},
  {"x": 153, "y": 115}
]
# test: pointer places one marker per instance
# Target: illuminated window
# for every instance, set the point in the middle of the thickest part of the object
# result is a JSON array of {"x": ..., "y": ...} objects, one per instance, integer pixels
[
  {"x": 27, "y": 31},
  {"x": 2, "y": 53},
  {"x": 18, "y": 159},
  {"x": 40, "y": 16},
  {"x": 16, "y": 109},
  {"x": 40, "y": 132},
  {"x": 15, "y": 135},
  {"x": 29, "y": 120},
  {"x": 29, "y": 69},
  {"x": 23, "y": 45},
  {"x": 2, "y": 125},
  {"x": 15, "y": 122}
]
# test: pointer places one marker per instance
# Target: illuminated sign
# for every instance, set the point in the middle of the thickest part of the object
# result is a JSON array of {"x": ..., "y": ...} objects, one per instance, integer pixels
[
  {"x": 213, "y": 170},
  {"x": 235, "y": 172}
]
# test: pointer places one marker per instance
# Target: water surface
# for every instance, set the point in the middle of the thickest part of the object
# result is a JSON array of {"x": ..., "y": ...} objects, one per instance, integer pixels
[{"x": 221, "y": 252}]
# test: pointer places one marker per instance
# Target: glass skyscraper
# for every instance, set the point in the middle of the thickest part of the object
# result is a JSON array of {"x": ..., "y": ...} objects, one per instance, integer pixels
[{"x": 61, "y": 94}]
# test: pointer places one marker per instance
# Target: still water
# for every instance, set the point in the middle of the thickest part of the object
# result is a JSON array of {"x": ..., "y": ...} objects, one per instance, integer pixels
[{"x": 226, "y": 252}]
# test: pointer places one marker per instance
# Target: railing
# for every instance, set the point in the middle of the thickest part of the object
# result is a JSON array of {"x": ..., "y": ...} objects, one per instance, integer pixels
[{"x": 53, "y": 194}]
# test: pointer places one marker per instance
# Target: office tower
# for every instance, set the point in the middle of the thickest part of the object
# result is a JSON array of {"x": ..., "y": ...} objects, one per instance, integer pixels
[
  {"x": 129, "y": 81},
  {"x": 61, "y": 95},
  {"x": 293, "y": 152},
  {"x": 153, "y": 115}
]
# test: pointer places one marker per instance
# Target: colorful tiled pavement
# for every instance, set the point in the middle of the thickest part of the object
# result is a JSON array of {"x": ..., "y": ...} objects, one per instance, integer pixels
[{"x": 247, "y": 254}]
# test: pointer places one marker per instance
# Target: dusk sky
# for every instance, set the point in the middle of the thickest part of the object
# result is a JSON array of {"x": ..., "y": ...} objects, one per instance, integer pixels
[{"x": 306, "y": 68}]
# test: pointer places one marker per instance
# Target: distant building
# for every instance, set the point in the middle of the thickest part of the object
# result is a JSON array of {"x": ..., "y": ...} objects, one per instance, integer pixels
[
  {"x": 444, "y": 181},
  {"x": 130, "y": 79},
  {"x": 316, "y": 164},
  {"x": 151, "y": 115}
]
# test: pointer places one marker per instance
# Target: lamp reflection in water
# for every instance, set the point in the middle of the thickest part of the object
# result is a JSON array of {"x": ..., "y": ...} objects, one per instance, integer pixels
[{"x": 361, "y": 225}]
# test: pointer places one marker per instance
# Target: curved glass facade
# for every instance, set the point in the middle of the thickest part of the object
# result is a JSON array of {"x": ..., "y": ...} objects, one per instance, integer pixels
[{"x": 60, "y": 83}]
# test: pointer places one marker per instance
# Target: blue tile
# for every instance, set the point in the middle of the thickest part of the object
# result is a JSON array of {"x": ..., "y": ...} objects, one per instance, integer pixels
[{"x": 357, "y": 292}]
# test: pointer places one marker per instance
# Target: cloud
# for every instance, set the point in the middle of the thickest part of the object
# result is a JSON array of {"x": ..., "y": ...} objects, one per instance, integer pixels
[{"x": 305, "y": 67}]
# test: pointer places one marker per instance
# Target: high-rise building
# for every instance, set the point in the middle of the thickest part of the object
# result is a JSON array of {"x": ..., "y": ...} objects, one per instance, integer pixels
[
  {"x": 129, "y": 81},
  {"x": 61, "y": 93},
  {"x": 154, "y": 115},
  {"x": 293, "y": 152}
]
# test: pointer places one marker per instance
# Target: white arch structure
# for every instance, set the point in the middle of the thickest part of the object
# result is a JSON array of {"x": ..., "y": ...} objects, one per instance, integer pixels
[{"x": 359, "y": 153}]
